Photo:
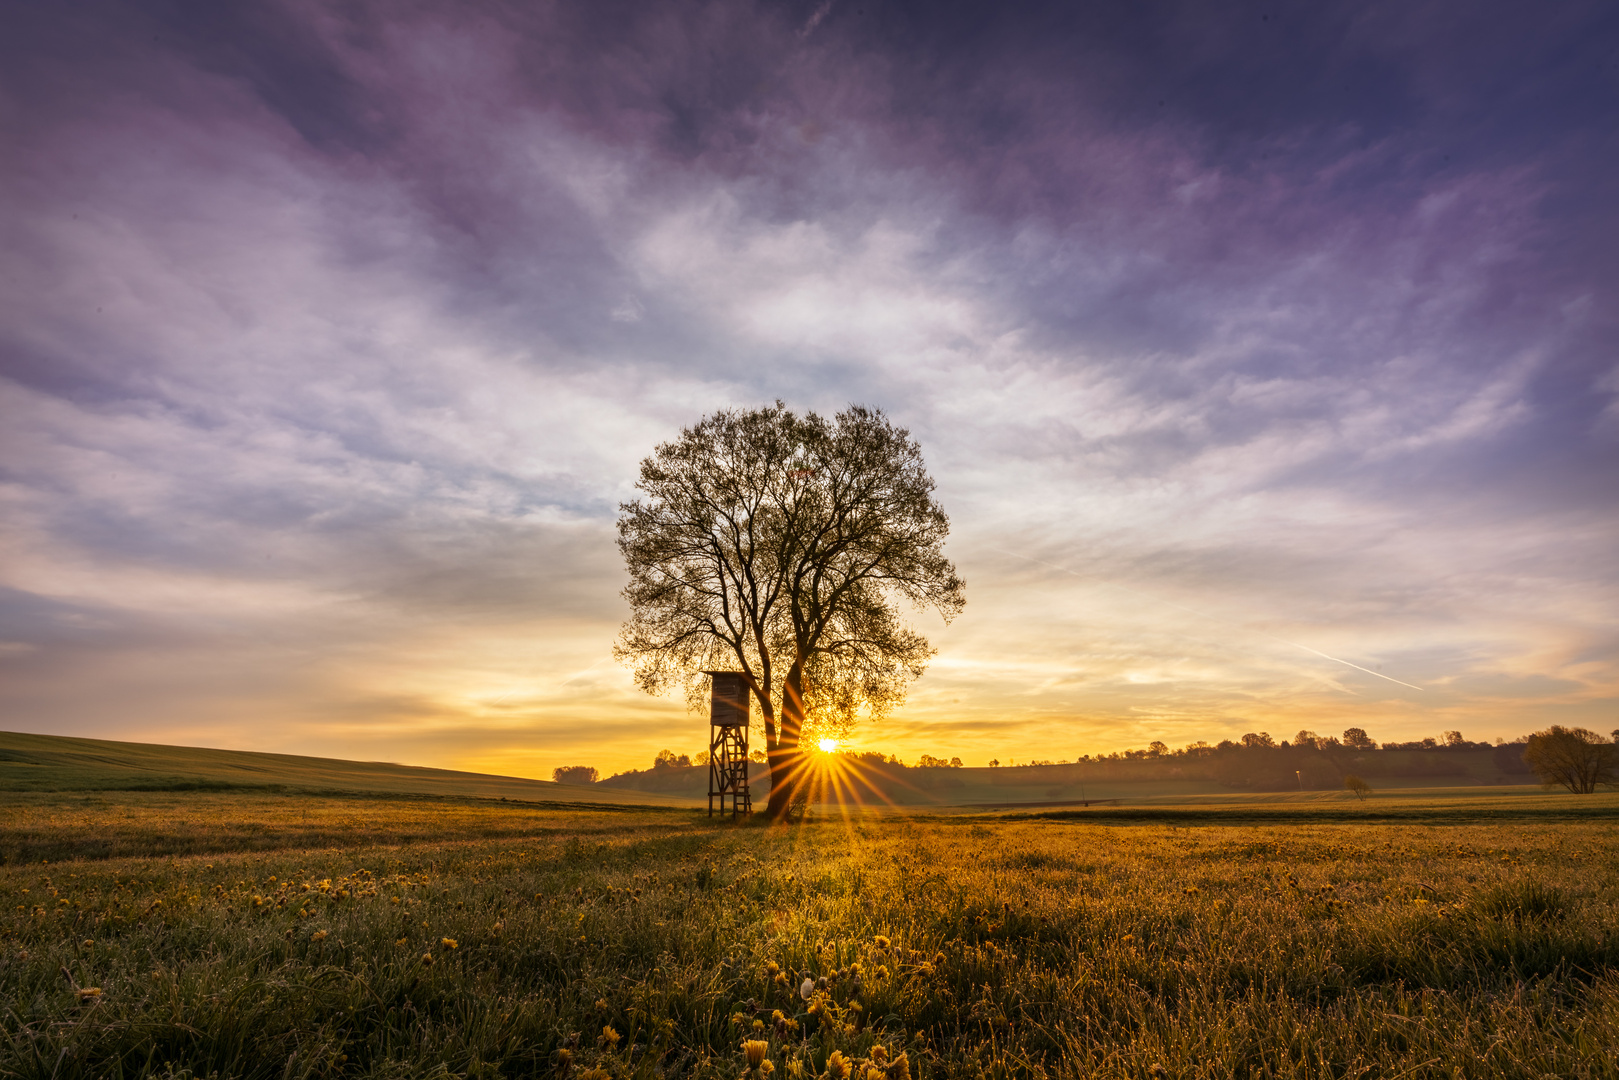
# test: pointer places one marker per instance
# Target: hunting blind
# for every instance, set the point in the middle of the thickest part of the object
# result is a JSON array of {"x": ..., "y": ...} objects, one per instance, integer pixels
[{"x": 728, "y": 742}]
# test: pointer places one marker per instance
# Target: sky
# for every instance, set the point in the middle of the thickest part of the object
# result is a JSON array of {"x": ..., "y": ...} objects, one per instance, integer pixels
[{"x": 1264, "y": 355}]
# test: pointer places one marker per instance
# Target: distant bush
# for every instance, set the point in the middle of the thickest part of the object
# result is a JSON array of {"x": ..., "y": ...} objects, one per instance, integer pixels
[
  {"x": 1573, "y": 758},
  {"x": 575, "y": 774}
]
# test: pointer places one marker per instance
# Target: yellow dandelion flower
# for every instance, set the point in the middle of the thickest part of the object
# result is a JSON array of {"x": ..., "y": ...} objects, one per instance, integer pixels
[
  {"x": 900, "y": 1069},
  {"x": 874, "y": 1073},
  {"x": 772, "y": 967},
  {"x": 881, "y": 942},
  {"x": 609, "y": 1037},
  {"x": 449, "y": 943},
  {"x": 595, "y": 1074},
  {"x": 89, "y": 993},
  {"x": 754, "y": 1051},
  {"x": 319, "y": 935},
  {"x": 879, "y": 1054},
  {"x": 837, "y": 1066},
  {"x": 766, "y": 1068},
  {"x": 403, "y": 941},
  {"x": 427, "y": 959},
  {"x": 795, "y": 1069},
  {"x": 601, "y": 1003}
]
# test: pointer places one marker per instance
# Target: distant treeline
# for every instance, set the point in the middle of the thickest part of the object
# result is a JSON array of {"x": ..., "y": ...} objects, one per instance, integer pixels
[{"x": 1255, "y": 762}]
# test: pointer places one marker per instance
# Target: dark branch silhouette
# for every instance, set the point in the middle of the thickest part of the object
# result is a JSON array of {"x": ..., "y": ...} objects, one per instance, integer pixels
[{"x": 776, "y": 545}]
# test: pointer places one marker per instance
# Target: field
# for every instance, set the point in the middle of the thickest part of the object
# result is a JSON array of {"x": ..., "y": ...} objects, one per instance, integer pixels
[
  {"x": 52, "y": 763},
  {"x": 295, "y": 935}
]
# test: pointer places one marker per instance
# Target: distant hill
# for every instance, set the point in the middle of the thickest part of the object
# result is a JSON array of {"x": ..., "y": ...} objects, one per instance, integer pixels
[{"x": 59, "y": 763}]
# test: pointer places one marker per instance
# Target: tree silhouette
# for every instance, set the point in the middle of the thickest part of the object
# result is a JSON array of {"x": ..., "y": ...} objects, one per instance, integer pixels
[
  {"x": 776, "y": 545},
  {"x": 1574, "y": 758}
]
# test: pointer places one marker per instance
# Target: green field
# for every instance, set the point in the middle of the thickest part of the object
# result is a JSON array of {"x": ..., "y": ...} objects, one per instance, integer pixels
[
  {"x": 286, "y": 933},
  {"x": 53, "y": 763}
]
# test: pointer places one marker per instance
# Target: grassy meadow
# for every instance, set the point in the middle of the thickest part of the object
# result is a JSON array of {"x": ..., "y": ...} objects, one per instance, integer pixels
[
  {"x": 56, "y": 763},
  {"x": 299, "y": 935}
]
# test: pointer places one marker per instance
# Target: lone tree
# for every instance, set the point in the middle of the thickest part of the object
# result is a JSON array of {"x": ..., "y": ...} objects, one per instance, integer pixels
[
  {"x": 1574, "y": 758},
  {"x": 777, "y": 545}
]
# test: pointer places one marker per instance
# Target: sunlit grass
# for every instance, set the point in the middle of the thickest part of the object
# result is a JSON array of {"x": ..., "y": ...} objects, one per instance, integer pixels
[{"x": 608, "y": 946}]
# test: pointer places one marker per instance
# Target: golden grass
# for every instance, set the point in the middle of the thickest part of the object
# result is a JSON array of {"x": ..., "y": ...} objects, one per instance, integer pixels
[{"x": 597, "y": 945}]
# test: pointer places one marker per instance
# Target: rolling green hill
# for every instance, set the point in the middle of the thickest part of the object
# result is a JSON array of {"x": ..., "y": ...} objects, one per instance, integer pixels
[{"x": 41, "y": 763}]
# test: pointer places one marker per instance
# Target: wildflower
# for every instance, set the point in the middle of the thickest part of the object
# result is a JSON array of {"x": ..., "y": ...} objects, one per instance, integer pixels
[
  {"x": 403, "y": 941},
  {"x": 564, "y": 1059},
  {"x": 881, "y": 942},
  {"x": 88, "y": 944},
  {"x": 318, "y": 935},
  {"x": 772, "y": 968},
  {"x": 449, "y": 943},
  {"x": 89, "y": 993},
  {"x": 837, "y": 1066},
  {"x": 900, "y": 1069},
  {"x": 601, "y": 1003},
  {"x": 780, "y": 979},
  {"x": 499, "y": 927},
  {"x": 807, "y": 990},
  {"x": 595, "y": 1074},
  {"x": 766, "y": 1068},
  {"x": 879, "y": 1054},
  {"x": 795, "y": 1070},
  {"x": 609, "y": 1038},
  {"x": 754, "y": 1051},
  {"x": 427, "y": 959}
]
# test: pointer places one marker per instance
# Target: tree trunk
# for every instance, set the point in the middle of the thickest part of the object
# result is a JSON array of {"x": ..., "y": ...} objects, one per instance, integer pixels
[{"x": 786, "y": 757}]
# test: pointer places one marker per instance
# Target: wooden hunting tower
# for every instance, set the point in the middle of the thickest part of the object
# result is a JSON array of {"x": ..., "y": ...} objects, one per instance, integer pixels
[{"x": 728, "y": 742}]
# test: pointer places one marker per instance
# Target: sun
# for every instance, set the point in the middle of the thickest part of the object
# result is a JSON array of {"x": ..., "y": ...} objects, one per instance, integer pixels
[{"x": 828, "y": 745}]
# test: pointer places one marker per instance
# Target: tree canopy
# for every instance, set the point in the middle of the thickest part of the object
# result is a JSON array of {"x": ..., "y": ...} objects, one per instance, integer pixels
[
  {"x": 1574, "y": 758},
  {"x": 778, "y": 545}
]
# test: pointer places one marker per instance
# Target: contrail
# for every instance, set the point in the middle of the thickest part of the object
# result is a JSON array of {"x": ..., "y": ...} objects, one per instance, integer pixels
[{"x": 1216, "y": 618}]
